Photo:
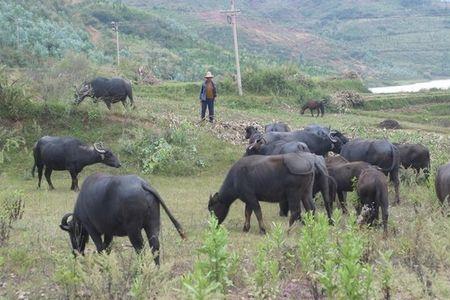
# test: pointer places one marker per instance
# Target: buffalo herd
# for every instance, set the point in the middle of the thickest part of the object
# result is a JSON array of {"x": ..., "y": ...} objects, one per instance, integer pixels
[{"x": 278, "y": 166}]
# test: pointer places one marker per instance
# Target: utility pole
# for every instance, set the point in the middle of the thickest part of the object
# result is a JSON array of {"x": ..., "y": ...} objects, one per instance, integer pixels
[
  {"x": 115, "y": 27},
  {"x": 17, "y": 34},
  {"x": 231, "y": 16}
]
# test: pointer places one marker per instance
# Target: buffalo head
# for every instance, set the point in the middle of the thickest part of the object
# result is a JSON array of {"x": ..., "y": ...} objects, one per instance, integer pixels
[
  {"x": 78, "y": 235},
  {"x": 249, "y": 131},
  {"x": 108, "y": 158},
  {"x": 84, "y": 91},
  {"x": 367, "y": 214},
  {"x": 256, "y": 142},
  {"x": 338, "y": 140},
  {"x": 219, "y": 209}
]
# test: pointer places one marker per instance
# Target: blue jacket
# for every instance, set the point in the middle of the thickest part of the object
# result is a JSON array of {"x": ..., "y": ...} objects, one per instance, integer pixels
[{"x": 203, "y": 91}]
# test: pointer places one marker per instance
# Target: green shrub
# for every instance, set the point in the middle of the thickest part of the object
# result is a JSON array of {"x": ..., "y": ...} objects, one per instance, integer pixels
[
  {"x": 11, "y": 209},
  {"x": 172, "y": 153},
  {"x": 211, "y": 273},
  {"x": 14, "y": 102}
]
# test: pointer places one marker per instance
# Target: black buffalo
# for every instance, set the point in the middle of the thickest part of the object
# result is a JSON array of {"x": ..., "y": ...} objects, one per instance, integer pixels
[
  {"x": 443, "y": 183},
  {"x": 320, "y": 140},
  {"x": 107, "y": 90},
  {"x": 277, "y": 147},
  {"x": 276, "y": 178},
  {"x": 381, "y": 153},
  {"x": 323, "y": 183},
  {"x": 415, "y": 156},
  {"x": 250, "y": 131},
  {"x": 277, "y": 127},
  {"x": 68, "y": 153},
  {"x": 111, "y": 206},
  {"x": 373, "y": 193}
]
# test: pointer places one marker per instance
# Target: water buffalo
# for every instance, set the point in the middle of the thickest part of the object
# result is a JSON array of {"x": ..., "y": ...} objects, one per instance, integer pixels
[
  {"x": 344, "y": 175},
  {"x": 443, "y": 183},
  {"x": 323, "y": 183},
  {"x": 276, "y": 178},
  {"x": 381, "y": 153},
  {"x": 277, "y": 127},
  {"x": 107, "y": 90},
  {"x": 68, "y": 153},
  {"x": 111, "y": 206},
  {"x": 373, "y": 193},
  {"x": 318, "y": 142},
  {"x": 277, "y": 147},
  {"x": 416, "y": 156}
]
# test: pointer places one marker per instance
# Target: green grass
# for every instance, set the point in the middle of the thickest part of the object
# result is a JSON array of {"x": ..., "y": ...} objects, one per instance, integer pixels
[{"x": 37, "y": 258}]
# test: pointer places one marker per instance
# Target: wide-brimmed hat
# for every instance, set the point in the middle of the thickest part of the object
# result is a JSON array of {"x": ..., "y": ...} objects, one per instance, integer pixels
[{"x": 209, "y": 75}]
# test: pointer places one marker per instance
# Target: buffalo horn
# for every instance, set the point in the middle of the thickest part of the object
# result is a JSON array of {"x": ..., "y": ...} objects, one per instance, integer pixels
[
  {"x": 64, "y": 223},
  {"x": 99, "y": 148},
  {"x": 332, "y": 138}
]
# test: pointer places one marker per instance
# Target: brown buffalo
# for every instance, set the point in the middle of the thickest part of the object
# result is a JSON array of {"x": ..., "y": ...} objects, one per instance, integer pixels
[
  {"x": 344, "y": 176},
  {"x": 372, "y": 190}
]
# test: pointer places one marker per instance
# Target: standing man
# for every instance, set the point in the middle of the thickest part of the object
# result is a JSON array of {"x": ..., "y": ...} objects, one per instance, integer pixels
[{"x": 207, "y": 96}]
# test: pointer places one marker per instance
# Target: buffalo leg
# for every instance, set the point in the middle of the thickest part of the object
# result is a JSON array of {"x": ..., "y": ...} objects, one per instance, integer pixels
[
  {"x": 295, "y": 209},
  {"x": 107, "y": 243},
  {"x": 48, "y": 174},
  {"x": 136, "y": 240},
  {"x": 40, "y": 169},
  {"x": 108, "y": 104},
  {"x": 384, "y": 216},
  {"x": 394, "y": 178},
  {"x": 257, "y": 209},
  {"x": 74, "y": 186},
  {"x": 248, "y": 215},
  {"x": 312, "y": 112},
  {"x": 96, "y": 238},
  {"x": 284, "y": 208},
  {"x": 152, "y": 232},
  {"x": 342, "y": 202}
]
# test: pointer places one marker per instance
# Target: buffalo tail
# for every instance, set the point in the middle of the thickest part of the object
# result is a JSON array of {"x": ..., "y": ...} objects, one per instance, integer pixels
[{"x": 166, "y": 209}]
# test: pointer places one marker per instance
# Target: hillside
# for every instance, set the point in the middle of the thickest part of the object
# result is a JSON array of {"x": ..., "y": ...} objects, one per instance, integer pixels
[{"x": 385, "y": 41}]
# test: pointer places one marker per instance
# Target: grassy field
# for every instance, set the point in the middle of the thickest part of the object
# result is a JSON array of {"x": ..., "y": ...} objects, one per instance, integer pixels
[{"x": 36, "y": 260}]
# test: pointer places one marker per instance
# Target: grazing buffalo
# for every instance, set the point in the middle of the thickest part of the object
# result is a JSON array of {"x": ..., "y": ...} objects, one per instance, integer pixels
[
  {"x": 381, "y": 153},
  {"x": 68, "y": 153},
  {"x": 344, "y": 175},
  {"x": 111, "y": 206},
  {"x": 314, "y": 105},
  {"x": 373, "y": 193},
  {"x": 277, "y": 127},
  {"x": 276, "y": 178},
  {"x": 319, "y": 142},
  {"x": 443, "y": 183},
  {"x": 107, "y": 90},
  {"x": 416, "y": 156},
  {"x": 323, "y": 183}
]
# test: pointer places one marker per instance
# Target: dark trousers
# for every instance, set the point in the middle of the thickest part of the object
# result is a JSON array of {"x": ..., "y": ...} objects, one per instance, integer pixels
[{"x": 210, "y": 105}]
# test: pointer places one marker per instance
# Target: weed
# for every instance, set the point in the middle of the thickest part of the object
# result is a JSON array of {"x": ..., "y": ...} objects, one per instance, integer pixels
[{"x": 11, "y": 209}]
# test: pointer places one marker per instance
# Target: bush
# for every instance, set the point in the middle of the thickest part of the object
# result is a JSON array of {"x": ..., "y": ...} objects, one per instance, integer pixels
[
  {"x": 332, "y": 257},
  {"x": 11, "y": 209},
  {"x": 14, "y": 102},
  {"x": 211, "y": 273},
  {"x": 172, "y": 153}
]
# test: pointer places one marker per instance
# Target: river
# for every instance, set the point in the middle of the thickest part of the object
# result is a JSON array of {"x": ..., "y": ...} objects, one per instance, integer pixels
[{"x": 415, "y": 87}]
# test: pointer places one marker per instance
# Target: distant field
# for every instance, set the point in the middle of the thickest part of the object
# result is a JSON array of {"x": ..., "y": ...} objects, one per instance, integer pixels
[{"x": 36, "y": 261}]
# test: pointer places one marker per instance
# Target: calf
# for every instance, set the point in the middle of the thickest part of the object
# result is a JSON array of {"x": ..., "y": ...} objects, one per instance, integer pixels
[
  {"x": 372, "y": 190},
  {"x": 116, "y": 206}
]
